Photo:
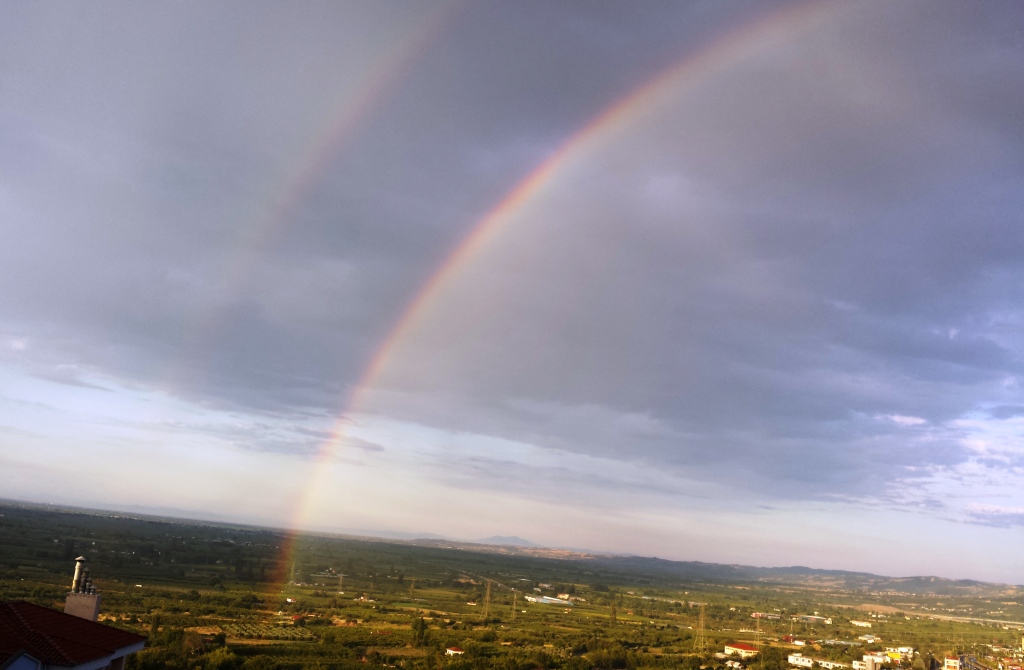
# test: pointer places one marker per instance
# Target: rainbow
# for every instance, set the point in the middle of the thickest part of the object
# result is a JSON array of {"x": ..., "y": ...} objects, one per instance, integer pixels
[
  {"x": 340, "y": 126},
  {"x": 681, "y": 78}
]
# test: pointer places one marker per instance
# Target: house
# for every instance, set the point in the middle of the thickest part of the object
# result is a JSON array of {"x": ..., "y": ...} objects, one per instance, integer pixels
[
  {"x": 33, "y": 637},
  {"x": 741, "y": 650},
  {"x": 807, "y": 618},
  {"x": 860, "y": 624},
  {"x": 952, "y": 663},
  {"x": 453, "y": 651}
]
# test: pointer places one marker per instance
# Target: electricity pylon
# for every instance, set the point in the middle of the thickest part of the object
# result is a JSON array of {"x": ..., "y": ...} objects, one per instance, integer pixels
[{"x": 700, "y": 640}]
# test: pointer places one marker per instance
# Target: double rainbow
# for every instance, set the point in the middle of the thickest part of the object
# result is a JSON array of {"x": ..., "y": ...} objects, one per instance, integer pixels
[{"x": 668, "y": 85}]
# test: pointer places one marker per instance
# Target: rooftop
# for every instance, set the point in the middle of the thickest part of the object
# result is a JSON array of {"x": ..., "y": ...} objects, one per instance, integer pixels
[{"x": 59, "y": 639}]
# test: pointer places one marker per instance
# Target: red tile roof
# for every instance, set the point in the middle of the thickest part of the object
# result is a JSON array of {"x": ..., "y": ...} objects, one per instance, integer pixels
[{"x": 57, "y": 638}]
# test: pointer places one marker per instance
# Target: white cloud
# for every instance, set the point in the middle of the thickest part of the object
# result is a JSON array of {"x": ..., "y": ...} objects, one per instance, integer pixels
[{"x": 904, "y": 420}]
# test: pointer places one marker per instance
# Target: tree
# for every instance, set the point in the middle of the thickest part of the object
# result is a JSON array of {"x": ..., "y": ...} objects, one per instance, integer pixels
[
  {"x": 222, "y": 659},
  {"x": 419, "y": 632}
]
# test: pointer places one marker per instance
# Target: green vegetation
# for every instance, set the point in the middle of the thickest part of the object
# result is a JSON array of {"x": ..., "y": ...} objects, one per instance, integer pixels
[{"x": 226, "y": 597}]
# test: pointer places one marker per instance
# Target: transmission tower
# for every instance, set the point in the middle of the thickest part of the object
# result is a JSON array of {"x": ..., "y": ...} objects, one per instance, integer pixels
[
  {"x": 700, "y": 641},
  {"x": 487, "y": 600},
  {"x": 515, "y": 595}
]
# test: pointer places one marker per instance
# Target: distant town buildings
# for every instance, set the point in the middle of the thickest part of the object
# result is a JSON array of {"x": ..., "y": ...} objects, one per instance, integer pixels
[
  {"x": 765, "y": 615},
  {"x": 802, "y": 661},
  {"x": 892, "y": 655},
  {"x": 904, "y": 652}
]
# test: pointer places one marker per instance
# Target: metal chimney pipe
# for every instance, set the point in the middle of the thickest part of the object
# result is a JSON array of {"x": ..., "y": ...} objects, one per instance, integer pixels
[{"x": 75, "y": 583}]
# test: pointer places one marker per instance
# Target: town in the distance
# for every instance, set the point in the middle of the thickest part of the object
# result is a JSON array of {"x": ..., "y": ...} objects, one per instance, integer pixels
[{"x": 89, "y": 589}]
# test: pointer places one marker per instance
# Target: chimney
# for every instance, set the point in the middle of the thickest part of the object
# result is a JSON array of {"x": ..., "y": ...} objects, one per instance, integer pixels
[{"x": 82, "y": 601}]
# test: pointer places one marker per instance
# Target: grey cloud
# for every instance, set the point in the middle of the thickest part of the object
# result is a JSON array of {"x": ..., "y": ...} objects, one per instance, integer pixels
[
  {"x": 995, "y": 515},
  {"x": 746, "y": 277},
  {"x": 69, "y": 378},
  {"x": 363, "y": 445},
  {"x": 1007, "y": 411},
  {"x": 835, "y": 258}
]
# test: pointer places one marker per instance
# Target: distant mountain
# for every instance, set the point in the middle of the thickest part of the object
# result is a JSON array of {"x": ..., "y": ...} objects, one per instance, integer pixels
[
  {"x": 600, "y": 567},
  {"x": 507, "y": 540},
  {"x": 842, "y": 579}
]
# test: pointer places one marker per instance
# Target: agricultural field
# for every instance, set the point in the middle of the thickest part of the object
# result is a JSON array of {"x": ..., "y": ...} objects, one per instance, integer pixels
[{"x": 221, "y": 596}]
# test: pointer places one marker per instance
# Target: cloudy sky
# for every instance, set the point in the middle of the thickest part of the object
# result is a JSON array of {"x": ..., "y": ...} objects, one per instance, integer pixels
[{"x": 721, "y": 281}]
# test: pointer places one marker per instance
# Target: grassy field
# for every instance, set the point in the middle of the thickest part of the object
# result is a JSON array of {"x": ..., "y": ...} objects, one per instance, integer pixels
[{"x": 219, "y": 596}]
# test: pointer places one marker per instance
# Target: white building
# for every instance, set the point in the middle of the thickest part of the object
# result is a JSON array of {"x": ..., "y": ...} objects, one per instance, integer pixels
[
  {"x": 802, "y": 661},
  {"x": 740, "y": 649},
  {"x": 861, "y": 624},
  {"x": 905, "y": 652}
]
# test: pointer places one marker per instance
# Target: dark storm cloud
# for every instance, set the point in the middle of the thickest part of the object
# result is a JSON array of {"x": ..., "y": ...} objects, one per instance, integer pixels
[{"x": 803, "y": 269}]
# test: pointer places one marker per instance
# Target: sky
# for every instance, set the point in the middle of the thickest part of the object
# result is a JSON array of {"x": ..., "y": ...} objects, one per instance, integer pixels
[{"x": 726, "y": 281}]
